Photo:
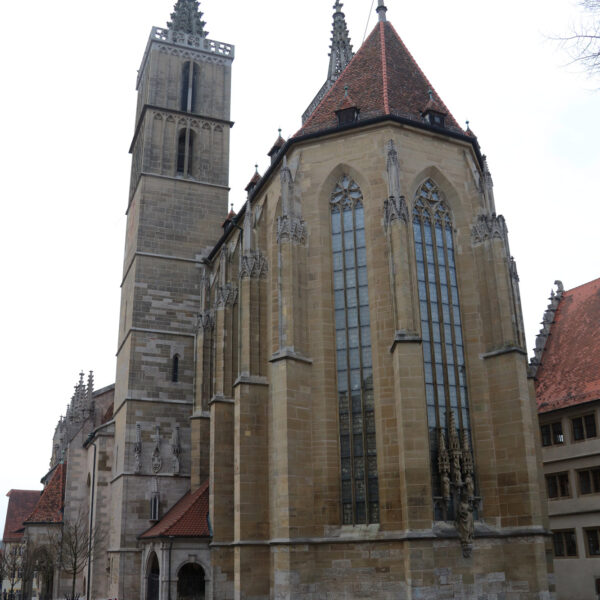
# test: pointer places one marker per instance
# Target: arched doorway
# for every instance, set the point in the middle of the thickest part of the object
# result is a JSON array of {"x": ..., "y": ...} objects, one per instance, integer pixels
[
  {"x": 153, "y": 578},
  {"x": 44, "y": 567},
  {"x": 190, "y": 582}
]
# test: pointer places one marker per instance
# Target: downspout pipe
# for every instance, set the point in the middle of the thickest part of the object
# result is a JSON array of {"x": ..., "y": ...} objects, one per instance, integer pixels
[{"x": 90, "y": 533}]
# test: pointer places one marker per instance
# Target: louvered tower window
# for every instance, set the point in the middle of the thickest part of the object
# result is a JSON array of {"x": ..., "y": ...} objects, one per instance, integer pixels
[
  {"x": 190, "y": 77},
  {"x": 359, "y": 485},
  {"x": 443, "y": 350}
]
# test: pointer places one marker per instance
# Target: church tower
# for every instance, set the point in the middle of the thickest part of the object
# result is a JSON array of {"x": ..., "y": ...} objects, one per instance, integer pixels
[{"x": 177, "y": 204}]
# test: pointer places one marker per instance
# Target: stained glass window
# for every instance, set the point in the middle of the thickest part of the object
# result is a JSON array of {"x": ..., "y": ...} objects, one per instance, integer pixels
[
  {"x": 443, "y": 349},
  {"x": 360, "y": 491}
]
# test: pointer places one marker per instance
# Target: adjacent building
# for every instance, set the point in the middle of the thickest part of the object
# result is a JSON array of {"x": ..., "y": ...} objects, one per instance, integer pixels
[{"x": 567, "y": 372}]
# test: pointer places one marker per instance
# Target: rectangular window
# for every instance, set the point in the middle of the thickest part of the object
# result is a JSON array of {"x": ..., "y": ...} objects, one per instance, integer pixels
[
  {"x": 565, "y": 543},
  {"x": 552, "y": 434},
  {"x": 584, "y": 427},
  {"x": 589, "y": 481},
  {"x": 598, "y": 586},
  {"x": 558, "y": 485},
  {"x": 593, "y": 541}
]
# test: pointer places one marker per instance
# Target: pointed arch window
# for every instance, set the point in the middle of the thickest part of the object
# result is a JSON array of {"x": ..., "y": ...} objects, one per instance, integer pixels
[
  {"x": 359, "y": 481},
  {"x": 443, "y": 349},
  {"x": 185, "y": 152},
  {"x": 190, "y": 80}
]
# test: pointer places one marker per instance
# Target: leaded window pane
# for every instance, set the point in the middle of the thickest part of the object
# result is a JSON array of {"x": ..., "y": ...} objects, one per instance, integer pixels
[
  {"x": 443, "y": 354},
  {"x": 354, "y": 361}
]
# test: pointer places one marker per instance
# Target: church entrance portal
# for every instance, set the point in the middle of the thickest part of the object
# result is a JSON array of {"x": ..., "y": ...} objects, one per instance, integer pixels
[
  {"x": 190, "y": 583},
  {"x": 153, "y": 579}
]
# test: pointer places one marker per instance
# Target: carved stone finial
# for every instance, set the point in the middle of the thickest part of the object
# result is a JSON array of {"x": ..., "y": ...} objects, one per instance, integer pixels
[
  {"x": 395, "y": 206},
  {"x": 341, "y": 48},
  {"x": 381, "y": 10},
  {"x": 187, "y": 18}
]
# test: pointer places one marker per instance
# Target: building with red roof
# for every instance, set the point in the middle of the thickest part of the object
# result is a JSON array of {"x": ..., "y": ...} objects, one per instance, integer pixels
[
  {"x": 323, "y": 395},
  {"x": 566, "y": 371}
]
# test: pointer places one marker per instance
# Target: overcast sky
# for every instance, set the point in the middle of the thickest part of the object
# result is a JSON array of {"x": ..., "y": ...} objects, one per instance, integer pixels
[{"x": 68, "y": 100}]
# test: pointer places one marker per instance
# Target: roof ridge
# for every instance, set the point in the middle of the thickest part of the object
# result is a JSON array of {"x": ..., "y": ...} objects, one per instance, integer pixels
[{"x": 384, "y": 73}]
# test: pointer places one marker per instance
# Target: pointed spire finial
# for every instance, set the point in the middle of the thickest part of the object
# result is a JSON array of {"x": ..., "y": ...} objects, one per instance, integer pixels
[
  {"x": 381, "y": 10},
  {"x": 187, "y": 18},
  {"x": 341, "y": 47}
]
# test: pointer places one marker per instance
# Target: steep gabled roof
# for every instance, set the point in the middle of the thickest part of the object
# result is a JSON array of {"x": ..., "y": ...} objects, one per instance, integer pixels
[
  {"x": 49, "y": 508},
  {"x": 20, "y": 505},
  {"x": 383, "y": 79},
  {"x": 188, "y": 518},
  {"x": 569, "y": 371}
]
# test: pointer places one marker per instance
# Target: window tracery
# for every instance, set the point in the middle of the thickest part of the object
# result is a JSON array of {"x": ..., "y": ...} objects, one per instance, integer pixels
[
  {"x": 443, "y": 356},
  {"x": 359, "y": 479}
]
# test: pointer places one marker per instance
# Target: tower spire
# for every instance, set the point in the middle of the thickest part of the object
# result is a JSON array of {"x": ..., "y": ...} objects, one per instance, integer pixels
[
  {"x": 187, "y": 18},
  {"x": 341, "y": 47}
]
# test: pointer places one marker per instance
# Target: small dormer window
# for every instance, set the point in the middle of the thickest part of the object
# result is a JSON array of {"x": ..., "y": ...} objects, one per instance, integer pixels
[
  {"x": 348, "y": 112},
  {"x": 434, "y": 113},
  {"x": 435, "y": 119},
  {"x": 347, "y": 116}
]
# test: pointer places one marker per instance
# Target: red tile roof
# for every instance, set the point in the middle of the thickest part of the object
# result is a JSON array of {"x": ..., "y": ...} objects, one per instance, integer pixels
[
  {"x": 188, "y": 518},
  {"x": 108, "y": 415},
  {"x": 49, "y": 508},
  {"x": 383, "y": 79},
  {"x": 20, "y": 505},
  {"x": 569, "y": 372}
]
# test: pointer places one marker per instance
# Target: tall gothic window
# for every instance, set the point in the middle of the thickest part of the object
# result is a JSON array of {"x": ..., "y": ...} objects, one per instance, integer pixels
[
  {"x": 190, "y": 74},
  {"x": 443, "y": 351},
  {"x": 360, "y": 494}
]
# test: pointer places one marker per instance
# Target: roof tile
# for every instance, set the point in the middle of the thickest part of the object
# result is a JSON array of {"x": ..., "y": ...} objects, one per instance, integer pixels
[
  {"x": 383, "y": 79},
  {"x": 188, "y": 518},
  {"x": 49, "y": 508},
  {"x": 20, "y": 505},
  {"x": 569, "y": 372}
]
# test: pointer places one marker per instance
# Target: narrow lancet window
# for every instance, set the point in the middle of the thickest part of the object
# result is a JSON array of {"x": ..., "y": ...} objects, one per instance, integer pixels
[
  {"x": 175, "y": 369},
  {"x": 443, "y": 352},
  {"x": 185, "y": 152},
  {"x": 359, "y": 483}
]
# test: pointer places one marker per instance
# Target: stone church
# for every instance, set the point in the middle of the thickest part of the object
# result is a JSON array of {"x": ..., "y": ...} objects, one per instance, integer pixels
[{"x": 325, "y": 395}]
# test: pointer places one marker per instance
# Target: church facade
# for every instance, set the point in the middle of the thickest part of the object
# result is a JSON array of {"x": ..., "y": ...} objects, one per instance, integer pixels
[{"x": 325, "y": 395}]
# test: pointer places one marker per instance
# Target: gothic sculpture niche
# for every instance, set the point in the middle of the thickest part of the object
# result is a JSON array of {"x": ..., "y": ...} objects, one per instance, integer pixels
[
  {"x": 444, "y": 363},
  {"x": 156, "y": 458},
  {"x": 137, "y": 448},
  {"x": 290, "y": 225}
]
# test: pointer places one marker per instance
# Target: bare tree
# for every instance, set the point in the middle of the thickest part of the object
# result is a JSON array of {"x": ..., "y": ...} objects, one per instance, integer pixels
[
  {"x": 73, "y": 547},
  {"x": 583, "y": 44},
  {"x": 12, "y": 566}
]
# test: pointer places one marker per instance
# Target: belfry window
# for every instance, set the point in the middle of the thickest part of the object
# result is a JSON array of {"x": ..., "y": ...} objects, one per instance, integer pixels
[
  {"x": 190, "y": 76},
  {"x": 443, "y": 350},
  {"x": 359, "y": 482},
  {"x": 185, "y": 152}
]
